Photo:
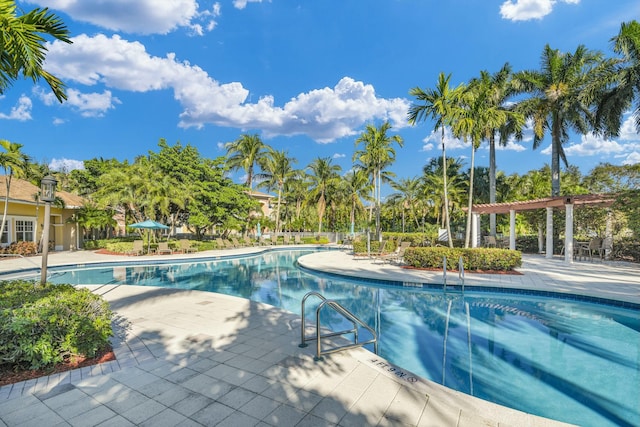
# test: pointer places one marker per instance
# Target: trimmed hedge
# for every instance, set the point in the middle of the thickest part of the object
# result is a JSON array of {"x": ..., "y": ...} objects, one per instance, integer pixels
[
  {"x": 473, "y": 258},
  {"x": 41, "y": 325}
]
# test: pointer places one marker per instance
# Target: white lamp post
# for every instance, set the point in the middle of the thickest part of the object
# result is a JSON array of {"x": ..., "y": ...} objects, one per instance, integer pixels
[{"x": 48, "y": 195}]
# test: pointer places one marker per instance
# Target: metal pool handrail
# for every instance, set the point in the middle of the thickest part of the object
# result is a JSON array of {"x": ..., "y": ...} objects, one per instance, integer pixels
[{"x": 347, "y": 315}]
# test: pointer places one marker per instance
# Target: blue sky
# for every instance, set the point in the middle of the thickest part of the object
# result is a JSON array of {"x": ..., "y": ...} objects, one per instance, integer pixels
[{"x": 306, "y": 75}]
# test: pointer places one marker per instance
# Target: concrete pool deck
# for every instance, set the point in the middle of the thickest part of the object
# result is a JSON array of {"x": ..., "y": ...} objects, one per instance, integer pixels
[{"x": 199, "y": 358}]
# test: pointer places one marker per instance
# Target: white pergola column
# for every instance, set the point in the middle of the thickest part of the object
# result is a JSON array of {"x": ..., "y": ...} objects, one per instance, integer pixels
[
  {"x": 549, "y": 240},
  {"x": 475, "y": 221},
  {"x": 512, "y": 229},
  {"x": 568, "y": 234}
]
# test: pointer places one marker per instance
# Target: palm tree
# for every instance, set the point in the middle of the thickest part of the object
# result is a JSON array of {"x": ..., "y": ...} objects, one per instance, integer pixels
[
  {"x": 356, "y": 187},
  {"x": 376, "y": 155},
  {"x": 23, "y": 46},
  {"x": 441, "y": 105},
  {"x": 558, "y": 102},
  {"x": 244, "y": 153},
  {"x": 433, "y": 181},
  {"x": 501, "y": 88},
  {"x": 409, "y": 195},
  {"x": 479, "y": 119},
  {"x": 15, "y": 163},
  {"x": 323, "y": 175},
  {"x": 615, "y": 102},
  {"x": 278, "y": 168}
]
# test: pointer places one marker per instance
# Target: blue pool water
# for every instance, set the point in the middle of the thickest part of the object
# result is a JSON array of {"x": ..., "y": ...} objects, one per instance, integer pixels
[{"x": 577, "y": 362}]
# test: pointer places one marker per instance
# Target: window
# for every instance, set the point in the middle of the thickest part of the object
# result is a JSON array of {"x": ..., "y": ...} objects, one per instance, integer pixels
[{"x": 24, "y": 231}]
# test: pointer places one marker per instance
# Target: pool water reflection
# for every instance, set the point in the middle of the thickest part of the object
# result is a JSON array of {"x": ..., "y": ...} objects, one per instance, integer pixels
[{"x": 572, "y": 361}]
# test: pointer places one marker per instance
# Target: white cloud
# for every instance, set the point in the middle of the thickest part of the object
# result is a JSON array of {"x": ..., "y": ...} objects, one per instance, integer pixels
[
  {"x": 241, "y": 4},
  {"x": 21, "y": 111},
  {"x": 220, "y": 146},
  {"x": 323, "y": 114},
  {"x": 58, "y": 121},
  {"x": 88, "y": 104},
  {"x": 632, "y": 158},
  {"x": 434, "y": 141},
  {"x": 139, "y": 16},
  {"x": 65, "y": 165},
  {"x": 525, "y": 10},
  {"x": 339, "y": 156},
  {"x": 592, "y": 145},
  {"x": 628, "y": 129}
]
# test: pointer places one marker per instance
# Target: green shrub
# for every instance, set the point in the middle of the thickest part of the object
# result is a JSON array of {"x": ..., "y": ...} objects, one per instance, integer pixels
[
  {"x": 41, "y": 325},
  {"x": 472, "y": 258}
]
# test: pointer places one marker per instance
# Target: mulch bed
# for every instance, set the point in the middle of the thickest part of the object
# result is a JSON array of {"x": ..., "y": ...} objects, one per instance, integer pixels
[{"x": 11, "y": 377}]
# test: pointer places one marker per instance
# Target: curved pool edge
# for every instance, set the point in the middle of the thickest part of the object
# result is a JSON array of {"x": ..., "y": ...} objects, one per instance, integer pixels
[{"x": 610, "y": 284}]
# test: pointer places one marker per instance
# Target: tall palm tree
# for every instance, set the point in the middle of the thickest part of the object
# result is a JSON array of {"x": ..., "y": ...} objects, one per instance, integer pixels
[
  {"x": 441, "y": 105},
  {"x": 501, "y": 89},
  {"x": 409, "y": 196},
  {"x": 278, "y": 168},
  {"x": 245, "y": 153},
  {"x": 626, "y": 80},
  {"x": 433, "y": 181},
  {"x": 356, "y": 186},
  {"x": 376, "y": 155},
  {"x": 15, "y": 163},
  {"x": 558, "y": 102},
  {"x": 323, "y": 175},
  {"x": 23, "y": 46},
  {"x": 478, "y": 120}
]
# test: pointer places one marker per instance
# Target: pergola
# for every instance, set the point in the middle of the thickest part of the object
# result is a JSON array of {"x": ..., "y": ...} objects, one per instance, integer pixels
[{"x": 561, "y": 202}]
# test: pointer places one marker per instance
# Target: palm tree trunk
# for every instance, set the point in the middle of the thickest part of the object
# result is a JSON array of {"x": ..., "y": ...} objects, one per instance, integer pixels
[
  {"x": 492, "y": 182},
  {"x": 278, "y": 209},
  {"x": 446, "y": 197},
  {"x": 6, "y": 207},
  {"x": 469, "y": 213},
  {"x": 555, "y": 156}
]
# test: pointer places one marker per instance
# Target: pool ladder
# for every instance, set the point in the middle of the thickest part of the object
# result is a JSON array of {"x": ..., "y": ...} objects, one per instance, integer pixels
[{"x": 318, "y": 335}]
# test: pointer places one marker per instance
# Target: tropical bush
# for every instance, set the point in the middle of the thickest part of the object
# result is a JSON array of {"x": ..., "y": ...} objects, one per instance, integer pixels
[
  {"x": 473, "y": 259},
  {"x": 41, "y": 325},
  {"x": 21, "y": 248}
]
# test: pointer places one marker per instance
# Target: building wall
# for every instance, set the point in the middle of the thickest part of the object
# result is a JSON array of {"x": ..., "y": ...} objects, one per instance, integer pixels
[{"x": 31, "y": 216}]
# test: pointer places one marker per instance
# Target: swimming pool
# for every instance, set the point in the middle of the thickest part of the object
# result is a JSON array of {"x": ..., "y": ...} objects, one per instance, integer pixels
[{"x": 572, "y": 361}]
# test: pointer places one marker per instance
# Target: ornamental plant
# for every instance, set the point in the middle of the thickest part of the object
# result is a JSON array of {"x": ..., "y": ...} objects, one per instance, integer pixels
[{"x": 42, "y": 325}]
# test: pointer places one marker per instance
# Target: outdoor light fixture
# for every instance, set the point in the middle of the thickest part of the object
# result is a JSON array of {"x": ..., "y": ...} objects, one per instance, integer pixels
[{"x": 47, "y": 195}]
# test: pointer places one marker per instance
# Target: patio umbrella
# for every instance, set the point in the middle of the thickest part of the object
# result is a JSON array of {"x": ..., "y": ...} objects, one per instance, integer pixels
[
  {"x": 149, "y": 225},
  {"x": 258, "y": 233}
]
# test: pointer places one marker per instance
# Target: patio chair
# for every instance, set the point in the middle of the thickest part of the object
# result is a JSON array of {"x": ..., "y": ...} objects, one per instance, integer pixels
[
  {"x": 274, "y": 240},
  {"x": 286, "y": 240},
  {"x": 297, "y": 240},
  {"x": 163, "y": 248},
  {"x": 594, "y": 247},
  {"x": 490, "y": 242},
  {"x": 138, "y": 248},
  {"x": 381, "y": 252},
  {"x": 185, "y": 246},
  {"x": 236, "y": 243}
]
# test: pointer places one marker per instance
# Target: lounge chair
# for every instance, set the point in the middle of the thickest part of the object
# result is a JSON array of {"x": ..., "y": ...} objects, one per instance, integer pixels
[
  {"x": 163, "y": 248},
  {"x": 249, "y": 242},
  {"x": 396, "y": 256},
  {"x": 185, "y": 246},
  {"x": 286, "y": 240},
  {"x": 381, "y": 251},
  {"x": 220, "y": 244},
  {"x": 274, "y": 240},
  {"x": 236, "y": 243},
  {"x": 297, "y": 240},
  {"x": 138, "y": 248}
]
